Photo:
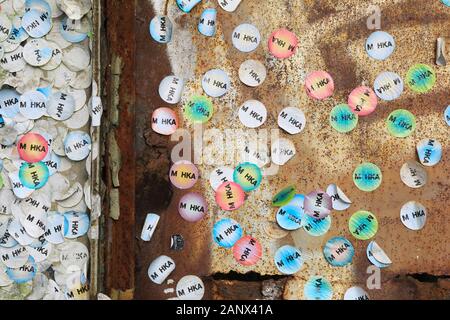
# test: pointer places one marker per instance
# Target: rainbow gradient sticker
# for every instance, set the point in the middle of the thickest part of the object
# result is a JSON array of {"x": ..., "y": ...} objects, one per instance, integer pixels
[
  {"x": 183, "y": 174},
  {"x": 401, "y": 123},
  {"x": 199, "y": 109},
  {"x": 421, "y": 78},
  {"x": 342, "y": 119},
  {"x": 363, "y": 101},
  {"x": 283, "y": 43},
  {"x": 339, "y": 252},
  {"x": 363, "y": 225},
  {"x": 34, "y": 175},
  {"x": 283, "y": 197},
  {"x": 319, "y": 85},
  {"x": 32, "y": 147},
  {"x": 247, "y": 251},
  {"x": 248, "y": 175},
  {"x": 367, "y": 177},
  {"x": 230, "y": 196},
  {"x": 288, "y": 259},
  {"x": 318, "y": 288},
  {"x": 226, "y": 232}
]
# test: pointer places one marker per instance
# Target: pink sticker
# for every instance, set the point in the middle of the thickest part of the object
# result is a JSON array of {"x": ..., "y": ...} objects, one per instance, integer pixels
[
  {"x": 192, "y": 207},
  {"x": 32, "y": 147},
  {"x": 230, "y": 196},
  {"x": 183, "y": 174},
  {"x": 362, "y": 101},
  {"x": 319, "y": 85},
  {"x": 283, "y": 43},
  {"x": 247, "y": 251},
  {"x": 318, "y": 204},
  {"x": 164, "y": 121}
]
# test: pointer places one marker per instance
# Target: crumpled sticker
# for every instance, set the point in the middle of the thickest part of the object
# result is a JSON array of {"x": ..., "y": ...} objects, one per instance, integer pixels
[
  {"x": 413, "y": 174},
  {"x": 377, "y": 256},
  {"x": 340, "y": 200}
]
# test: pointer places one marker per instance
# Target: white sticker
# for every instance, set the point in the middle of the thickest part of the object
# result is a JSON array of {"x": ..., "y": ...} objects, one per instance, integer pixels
[
  {"x": 413, "y": 174},
  {"x": 6, "y": 199},
  {"x": 55, "y": 59},
  {"x": 18, "y": 188},
  {"x": 74, "y": 254},
  {"x": 380, "y": 45},
  {"x": 13, "y": 61},
  {"x": 151, "y": 221},
  {"x": 77, "y": 58},
  {"x": 413, "y": 215},
  {"x": 33, "y": 105},
  {"x": 229, "y": 5},
  {"x": 37, "y": 52},
  {"x": 252, "y": 114},
  {"x": 252, "y": 73},
  {"x": 160, "y": 269},
  {"x": 216, "y": 83},
  {"x": 40, "y": 250},
  {"x": 246, "y": 37},
  {"x": 61, "y": 106},
  {"x": 282, "y": 151},
  {"x": 14, "y": 257},
  {"x": 292, "y": 120},
  {"x": 77, "y": 145},
  {"x": 207, "y": 24},
  {"x": 388, "y": 86},
  {"x": 171, "y": 88},
  {"x": 55, "y": 225},
  {"x": 340, "y": 200},
  {"x": 37, "y": 23},
  {"x": 97, "y": 111},
  {"x": 34, "y": 222},
  {"x": 190, "y": 288},
  {"x": 356, "y": 293},
  {"x": 219, "y": 176},
  {"x": 5, "y": 27},
  {"x": 73, "y": 30},
  {"x": 75, "y": 9},
  {"x": 18, "y": 232}
]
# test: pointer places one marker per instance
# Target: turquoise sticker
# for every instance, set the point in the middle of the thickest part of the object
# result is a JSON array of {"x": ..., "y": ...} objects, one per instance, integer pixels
[
  {"x": 316, "y": 227},
  {"x": 34, "y": 175},
  {"x": 318, "y": 288},
  {"x": 401, "y": 123},
  {"x": 248, "y": 175},
  {"x": 76, "y": 224},
  {"x": 338, "y": 252},
  {"x": 429, "y": 152},
  {"x": 199, "y": 109},
  {"x": 290, "y": 217},
  {"x": 367, "y": 177},
  {"x": 363, "y": 225},
  {"x": 226, "y": 232},
  {"x": 342, "y": 119},
  {"x": 288, "y": 259}
]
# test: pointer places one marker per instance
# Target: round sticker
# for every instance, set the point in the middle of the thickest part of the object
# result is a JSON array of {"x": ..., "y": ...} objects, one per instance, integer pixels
[
  {"x": 183, "y": 174},
  {"x": 230, "y": 196},
  {"x": 37, "y": 23},
  {"x": 288, "y": 259},
  {"x": 246, "y": 37},
  {"x": 319, "y": 85},
  {"x": 318, "y": 288},
  {"x": 164, "y": 121},
  {"x": 446, "y": 2},
  {"x": 356, "y": 293},
  {"x": 198, "y": 109},
  {"x": 24, "y": 273},
  {"x": 363, "y": 225},
  {"x": 380, "y": 45},
  {"x": 216, "y": 83},
  {"x": 207, "y": 23},
  {"x": 76, "y": 224},
  {"x": 413, "y": 215},
  {"x": 13, "y": 61},
  {"x": 77, "y": 145},
  {"x": 34, "y": 175},
  {"x": 298, "y": 200},
  {"x": 283, "y": 43},
  {"x": 5, "y": 27},
  {"x": 14, "y": 257},
  {"x": 37, "y": 52},
  {"x": 367, "y": 177},
  {"x": 160, "y": 269},
  {"x": 190, "y": 288},
  {"x": 252, "y": 114},
  {"x": 40, "y": 250},
  {"x": 33, "y": 105},
  {"x": 9, "y": 102},
  {"x": 282, "y": 151},
  {"x": 377, "y": 256},
  {"x": 219, "y": 176},
  {"x": 32, "y": 147},
  {"x": 248, "y": 176},
  {"x": 421, "y": 78},
  {"x": 290, "y": 217},
  {"x": 161, "y": 29},
  {"x": 342, "y": 119},
  {"x": 429, "y": 152},
  {"x": 292, "y": 120},
  {"x": 170, "y": 89},
  {"x": 401, "y": 123},
  {"x": 338, "y": 252},
  {"x": 446, "y": 115},
  {"x": 187, "y": 5},
  {"x": 413, "y": 174},
  {"x": 226, "y": 232},
  {"x": 316, "y": 227},
  {"x": 283, "y": 197},
  {"x": 318, "y": 204},
  {"x": 388, "y": 86},
  {"x": 192, "y": 207},
  {"x": 340, "y": 200},
  {"x": 61, "y": 106},
  {"x": 54, "y": 228},
  {"x": 247, "y": 251},
  {"x": 362, "y": 101},
  {"x": 252, "y": 73}
]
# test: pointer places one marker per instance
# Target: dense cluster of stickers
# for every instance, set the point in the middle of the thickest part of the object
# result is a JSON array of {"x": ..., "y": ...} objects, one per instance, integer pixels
[
  {"x": 46, "y": 103},
  {"x": 311, "y": 211}
]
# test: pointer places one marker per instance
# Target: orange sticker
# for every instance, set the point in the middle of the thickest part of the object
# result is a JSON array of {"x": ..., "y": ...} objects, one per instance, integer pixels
[
  {"x": 230, "y": 196},
  {"x": 32, "y": 147}
]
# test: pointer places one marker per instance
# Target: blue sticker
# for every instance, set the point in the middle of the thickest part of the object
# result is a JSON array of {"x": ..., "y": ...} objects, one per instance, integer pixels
[
  {"x": 39, "y": 5},
  {"x": 2, "y": 122},
  {"x": 37, "y": 23},
  {"x": 76, "y": 224},
  {"x": 338, "y": 251},
  {"x": 23, "y": 274},
  {"x": 429, "y": 152},
  {"x": 46, "y": 91},
  {"x": 298, "y": 201},
  {"x": 318, "y": 288},
  {"x": 207, "y": 24},
  {"x": 367, "y": 177},
  {"x": 290, "y": 217},
  {"x": 447, "y": 114},
  {"x": 375, "y": 262},
  {"x": 288, "y": 259},
  {"x": 316, "y": 227},
  {"x": 71, "y": 30},
  {"x": 187, "y": 5},
  {"x": 161, "y": 29},
  {"x": 9, "y": 102},
  {"x": 18, "y": 34},
  {"x": 446, "y": 2},
  {"x": 226, "y": 232}
]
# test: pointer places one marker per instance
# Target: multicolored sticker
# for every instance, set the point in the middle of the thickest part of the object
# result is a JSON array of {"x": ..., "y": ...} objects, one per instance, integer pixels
[
  {"x": 367, "y": 177},
  {"x": 401, "y": 123},
  {"x": 192, "y": 207},
  {"x": 198, "y": 109},
  {"x": 288, "y": 259},
  {"x": 283, "y": 43},
  {"x": 339, "y": 252},
  {"x": 183, "y": 174},
  {"x": 248, "y": 175},
  {"x": 318, "y": 288},
  {"x": 283, "y": 197},
  {"x": 388, "y": 86},
  {"x": 207, "y": 23},
  {"x": 421, "y": 78},
  {"x": 362, "y": 101},
  {"x": 342, "y": 119},
  {"x": 216, "y": 83},
  {"x": 413, "y": 215},
  {"x": 318, "y": 204},
  {"x": 226, "y": 232},
  {"x": 164, "y": 121},
  {"x": 319, "y": 85},
  {"x": 316, "y": 227},
  {"x": 292, "y": 120},
  {"x": 32, "y": 147},
  {"x": 247, "y": 251},
  {"x": 363, "y": 225},
  {"x": 230, "y": 196},
  {"x": 246, "y": 37},
  {"x": 413, "y": 174},
  {"x": 380, "y": 45},
  {"x": 429, "y": 152},
  {"x": 34, "y": 175},
  {"x": 290, "y": 217},
  {"x": 446, "y": 2}
]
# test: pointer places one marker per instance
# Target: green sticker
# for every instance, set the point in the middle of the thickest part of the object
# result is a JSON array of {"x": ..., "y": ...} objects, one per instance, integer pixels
[
  {"x": 421, "y": 78},
  {"x": 342, "y": 119},
  {"x": 363, "y": 225},
  {"x": 198, "y": 109},
  {"x": 248, "y": 175},
  {"x": 401, "y": 123},
  {"x": 367, "y": 177},
  {"x": 283, "y": 197}
]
